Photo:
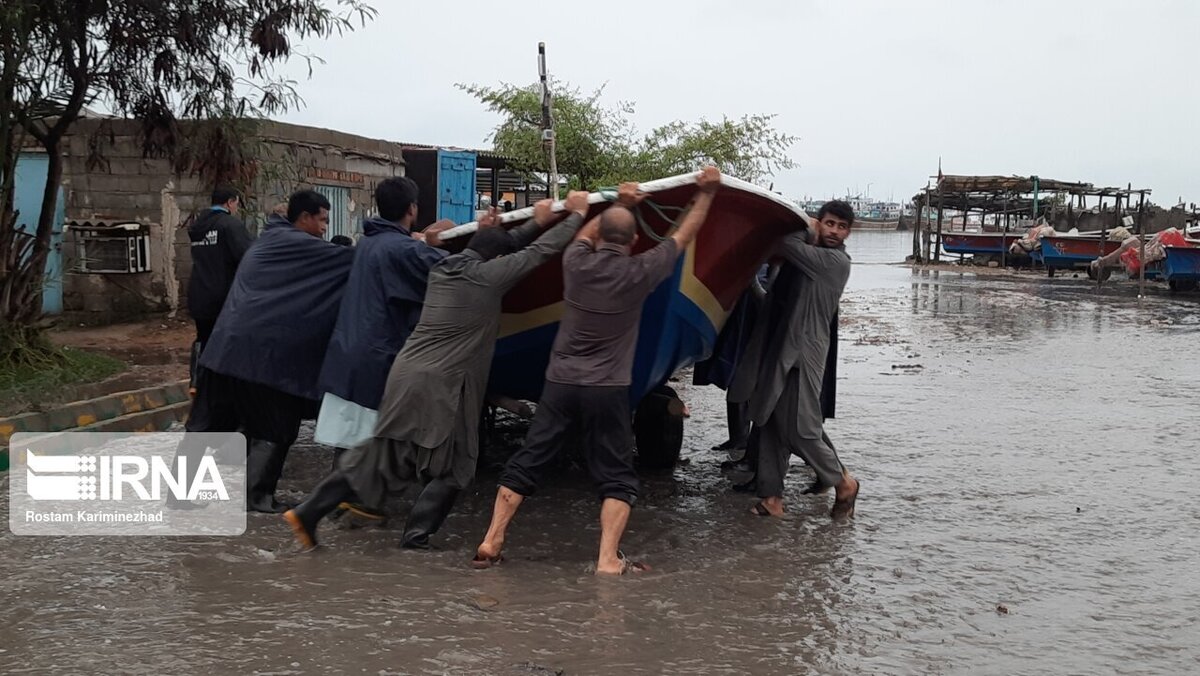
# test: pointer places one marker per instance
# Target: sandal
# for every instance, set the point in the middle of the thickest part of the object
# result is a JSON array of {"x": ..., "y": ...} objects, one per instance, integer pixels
[
  {"x": 629, "y": 566},
  {"x": 362, "y": 511},
  {"x": 815, "y": 488},
  {"x": 481, "y": 562},
  {"x": 760, "y": 509}
]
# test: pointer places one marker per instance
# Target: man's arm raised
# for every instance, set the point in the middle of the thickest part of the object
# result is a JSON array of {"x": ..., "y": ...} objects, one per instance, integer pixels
[{"x": 707, "y": 182}]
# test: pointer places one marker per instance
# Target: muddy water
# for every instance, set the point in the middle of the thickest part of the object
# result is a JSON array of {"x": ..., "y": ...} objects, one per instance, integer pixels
[{"x": 1028, "y": 507}]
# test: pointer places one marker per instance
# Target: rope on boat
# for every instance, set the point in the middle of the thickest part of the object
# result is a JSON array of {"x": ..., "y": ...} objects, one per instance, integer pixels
[{"x": 609, "y": 193}]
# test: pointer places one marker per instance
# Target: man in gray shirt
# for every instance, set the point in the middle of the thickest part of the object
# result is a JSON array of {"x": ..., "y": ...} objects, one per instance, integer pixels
[
  {"x": 781, "y": 375},
  {"x": 591, "y": 363},
  {"x": 428, "y": 427}
]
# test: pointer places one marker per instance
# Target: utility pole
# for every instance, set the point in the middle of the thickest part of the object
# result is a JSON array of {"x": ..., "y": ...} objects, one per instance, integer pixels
[{"x": 547, "y": 124}]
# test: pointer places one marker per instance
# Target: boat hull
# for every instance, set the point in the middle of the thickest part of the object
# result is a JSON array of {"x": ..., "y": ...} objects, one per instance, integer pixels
[
  {"x": 682, "y": 317},
  {"x": 977, "y": 243},
  {"x": 1074, "y": 252},
  {"x": 1182, "y": 264}
]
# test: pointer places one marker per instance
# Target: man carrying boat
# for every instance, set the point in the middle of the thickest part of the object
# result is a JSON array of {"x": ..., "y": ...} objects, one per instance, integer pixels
[
  {"x": 258, "y": 372},
  {"x": 587, "y": 381},
  {"x": 782, "y": 373},
  {"x": 379, "y": 310},
  {"x": 428, "y": 427}
]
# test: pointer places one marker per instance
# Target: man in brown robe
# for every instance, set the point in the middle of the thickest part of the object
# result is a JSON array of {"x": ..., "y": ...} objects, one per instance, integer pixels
[{"x": 781, "y": 375}]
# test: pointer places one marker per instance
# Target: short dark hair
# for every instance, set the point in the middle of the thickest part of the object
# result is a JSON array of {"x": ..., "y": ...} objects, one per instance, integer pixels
[
  {"x": 837, "y": 208},
  {"x": 617, "y": 225},
  {"x": 223, "y": 193},
  {"x": 394, "y": 196},
  {"x": 341, "y": 240},
  {"x": 492, "y": 242},
  {"x": 305, "y": 202}
]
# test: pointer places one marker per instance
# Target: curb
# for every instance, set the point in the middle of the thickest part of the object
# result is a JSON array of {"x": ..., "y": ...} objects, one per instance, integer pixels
[{"x": 145, "y": 410}]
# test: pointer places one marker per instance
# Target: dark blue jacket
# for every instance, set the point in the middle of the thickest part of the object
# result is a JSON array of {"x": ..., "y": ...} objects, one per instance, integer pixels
[
  {"x": 279, "y": 314},
  {"x": 381, "y": 307},
  {"x": 218, "y": 242}
]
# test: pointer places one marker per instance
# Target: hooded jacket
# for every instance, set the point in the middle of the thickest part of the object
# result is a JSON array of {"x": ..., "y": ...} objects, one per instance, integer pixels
[
  {"x": 280, "y": 312},
  {"x": 219, "y": 240},
  {"x": 381, "y": 307}
]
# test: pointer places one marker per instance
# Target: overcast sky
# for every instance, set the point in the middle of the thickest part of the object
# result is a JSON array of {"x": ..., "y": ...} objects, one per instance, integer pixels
[{"x": 1098, "y": 91}]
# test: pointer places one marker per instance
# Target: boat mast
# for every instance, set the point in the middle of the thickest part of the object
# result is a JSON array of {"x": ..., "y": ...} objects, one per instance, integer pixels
[{"x": 547, "y": 124}]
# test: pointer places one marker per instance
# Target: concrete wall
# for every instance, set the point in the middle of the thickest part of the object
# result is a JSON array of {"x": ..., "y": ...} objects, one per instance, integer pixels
[
  {"x": 1156, "y": 219},
  {"x": 123, "y": 186},
  {"x": 126, "y": 187}
]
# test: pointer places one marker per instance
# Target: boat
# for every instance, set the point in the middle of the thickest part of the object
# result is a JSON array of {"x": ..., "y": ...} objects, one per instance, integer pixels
[
  {"x": 682, "y": 317},
  {"x": 1060, "y": 252},
  {"x": 1181, "y": 267},
  {"x": 978, "y": 243}
]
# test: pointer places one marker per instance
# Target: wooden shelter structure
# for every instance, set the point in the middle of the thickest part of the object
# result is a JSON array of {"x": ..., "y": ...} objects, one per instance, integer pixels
[{"x": 1005, "y": 199}]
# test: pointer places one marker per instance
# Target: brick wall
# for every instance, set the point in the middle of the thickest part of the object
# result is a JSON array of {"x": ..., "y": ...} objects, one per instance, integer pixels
[{"x": 127, "y": 187}]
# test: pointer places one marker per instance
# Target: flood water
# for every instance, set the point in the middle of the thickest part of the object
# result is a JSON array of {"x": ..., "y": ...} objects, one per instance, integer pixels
[{"x": 1028, "y": 507}]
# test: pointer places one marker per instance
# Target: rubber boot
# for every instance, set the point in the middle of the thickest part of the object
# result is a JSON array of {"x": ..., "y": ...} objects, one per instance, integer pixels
[
  {"x": 739, "y": 425},
  {"x": 428, "y": 512},
  {"x": 193, "y": 365},
  {"x": 192, "y": 451},
  {"x": 325, "y": 498},
  {"x": 264, "y": 463}
]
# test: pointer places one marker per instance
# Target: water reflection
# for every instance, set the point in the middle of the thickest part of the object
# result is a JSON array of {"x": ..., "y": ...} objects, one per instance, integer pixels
[{"x": 1037, "y": 455}]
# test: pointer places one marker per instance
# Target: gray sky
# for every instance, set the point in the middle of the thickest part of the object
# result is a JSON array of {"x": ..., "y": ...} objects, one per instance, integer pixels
[{"x": 1098, "y": 91}]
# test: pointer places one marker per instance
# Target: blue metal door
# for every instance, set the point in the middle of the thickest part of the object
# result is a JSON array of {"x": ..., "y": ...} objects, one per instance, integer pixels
[
  {"x": 456, "y": 186},
  {"x": 32, "y": 169},
  {"x": 339, "y": 210}
]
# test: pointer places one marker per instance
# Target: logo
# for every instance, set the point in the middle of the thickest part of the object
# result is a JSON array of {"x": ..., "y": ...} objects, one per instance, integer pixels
[
  {"x": 90, "y": 477},
  {"x": 103, "y": 483}
]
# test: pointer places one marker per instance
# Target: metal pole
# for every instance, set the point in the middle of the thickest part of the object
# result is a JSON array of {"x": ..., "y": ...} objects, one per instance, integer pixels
[{"x": 548, "y": 124}]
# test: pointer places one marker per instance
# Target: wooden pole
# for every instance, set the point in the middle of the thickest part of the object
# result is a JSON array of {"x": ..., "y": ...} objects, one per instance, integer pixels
[
  {"x": 1103, "y": 237},
  {"x": 937, "y": 252},
  {"x": 1142, "y": 237},
  {"x": 916, "y": 231},
  {"x": 1004, "y": 236}
]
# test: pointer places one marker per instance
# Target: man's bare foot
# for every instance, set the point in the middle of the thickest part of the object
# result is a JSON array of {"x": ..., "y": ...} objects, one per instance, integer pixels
[
  {"x": 768, "y": 507},
  {"x": 847, "y": 496},
  {"x": 487, "y": 555}
]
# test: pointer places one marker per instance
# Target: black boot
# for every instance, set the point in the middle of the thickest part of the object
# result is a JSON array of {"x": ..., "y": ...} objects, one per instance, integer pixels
[
  {"x": 192, "y": 451},
  {"x": 325, "y": 498},
  {"x": 193, "y": 365},
  {"x": 738, "y": 419},
  {"x": 428, "y": 512},
  {"x": 264, "y": 464}
]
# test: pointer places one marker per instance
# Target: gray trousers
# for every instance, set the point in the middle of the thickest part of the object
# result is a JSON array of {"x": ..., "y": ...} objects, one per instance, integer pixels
[{"x": 781, "y": 437}]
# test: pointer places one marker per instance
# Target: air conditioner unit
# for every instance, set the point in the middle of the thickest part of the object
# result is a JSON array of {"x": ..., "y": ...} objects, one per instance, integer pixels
[{"x": 119, "y": 248}]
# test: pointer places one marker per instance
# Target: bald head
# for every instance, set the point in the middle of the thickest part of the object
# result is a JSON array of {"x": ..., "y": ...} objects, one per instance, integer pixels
[{"x": 617, "y": 225}]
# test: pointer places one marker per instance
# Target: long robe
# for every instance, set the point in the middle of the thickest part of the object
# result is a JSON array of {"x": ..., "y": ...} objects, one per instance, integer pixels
[
  {"x": 280, "y": 312},
  {"x": 429, "y": 417},
  {"x": 793, "y": 335}
]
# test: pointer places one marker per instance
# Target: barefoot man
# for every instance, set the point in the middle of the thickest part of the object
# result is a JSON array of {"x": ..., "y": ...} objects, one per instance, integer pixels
[
  {"x": 587, "y": 382},
  {"x": 781, "y": 375}
]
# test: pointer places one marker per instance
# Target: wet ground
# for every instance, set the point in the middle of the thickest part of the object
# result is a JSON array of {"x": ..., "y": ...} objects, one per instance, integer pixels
[{"x": 1029, "y": 454}]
